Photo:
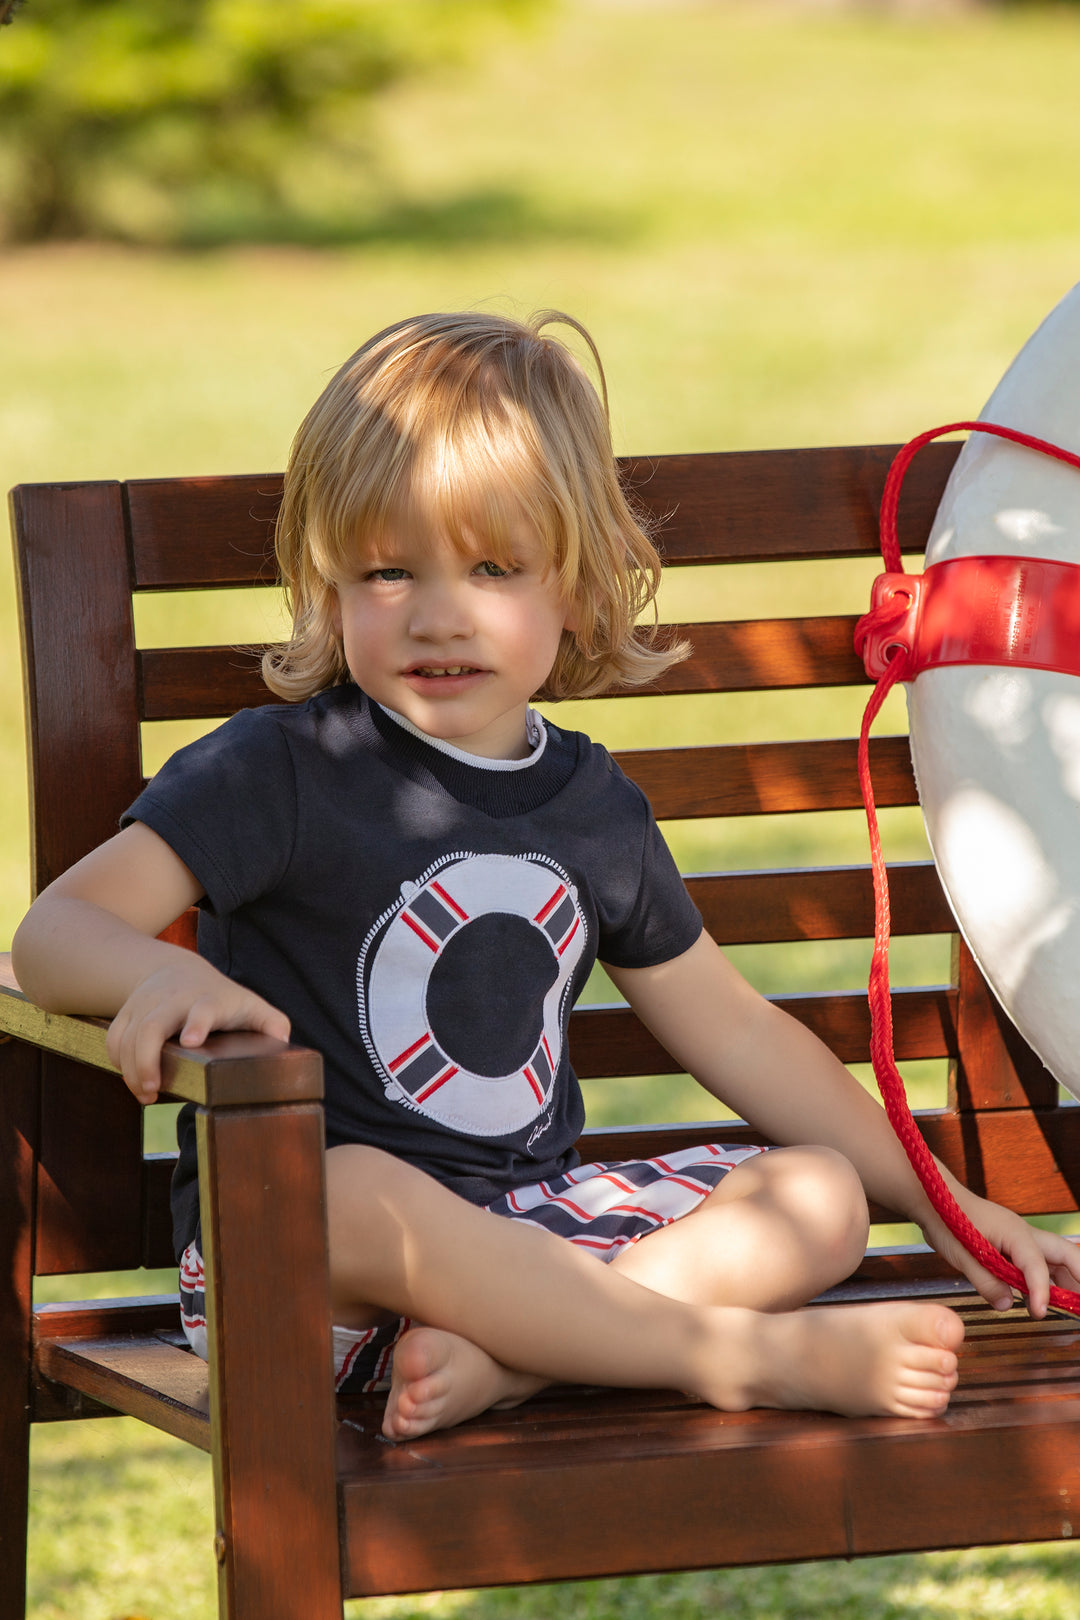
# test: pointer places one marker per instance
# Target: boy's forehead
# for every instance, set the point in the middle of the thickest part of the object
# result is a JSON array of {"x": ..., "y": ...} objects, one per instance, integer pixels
[{"x": 420, "y": 528}]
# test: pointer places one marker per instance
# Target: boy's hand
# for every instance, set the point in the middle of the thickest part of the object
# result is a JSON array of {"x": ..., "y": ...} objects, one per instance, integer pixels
[
  {"x": 189, "y": 998},
  {"x": 1043, "y": 1257}
]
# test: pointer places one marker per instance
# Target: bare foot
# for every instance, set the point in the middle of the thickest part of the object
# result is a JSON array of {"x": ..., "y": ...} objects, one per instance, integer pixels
[
  {"x": 440, "y": 1379},
  {"x": 895, "y": 1360}
]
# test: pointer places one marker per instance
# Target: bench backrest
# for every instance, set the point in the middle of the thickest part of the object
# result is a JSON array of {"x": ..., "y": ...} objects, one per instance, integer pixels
[{"x": 84, "y": 549}]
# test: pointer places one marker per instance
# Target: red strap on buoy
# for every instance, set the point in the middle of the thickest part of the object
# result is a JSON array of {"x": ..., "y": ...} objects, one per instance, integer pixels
[
  {"x": 975, "y": 610},
  {"x": 911, "y": 626}
]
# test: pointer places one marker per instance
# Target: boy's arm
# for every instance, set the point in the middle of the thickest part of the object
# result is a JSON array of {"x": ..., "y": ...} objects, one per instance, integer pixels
[
  {"x": 775, "y": 1073},
  {"x": 87, "y": 945}
]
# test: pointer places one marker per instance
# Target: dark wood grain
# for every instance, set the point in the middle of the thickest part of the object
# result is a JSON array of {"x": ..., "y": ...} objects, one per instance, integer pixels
[
  {"x": 89, "y": 1194},
  {"x": 188, "y": 533},
  {"x": 793, "y": 504},
  {"x": 129, "y": 1318},
  {"x": 203, "y": 683},
  {"x": 611, "y": 1040},
  {"x": 837, "y": 902},
  {"x": 145, "y": 1378},
  {"x": 733, "y": 506},
  {"x": 271, "y": 1392},
  {"x": 157, "y": 1243},
  {"x": 200, "y": 683},
  {"x": 79, "y": 667},
  {"x": 997, "y": 1068},
  {"x": 750, "y": 779},
  {"x": 718, "y": 1473},
  {"x": 19, "y": 1086},
  {"x": 549, "y": 1507}
]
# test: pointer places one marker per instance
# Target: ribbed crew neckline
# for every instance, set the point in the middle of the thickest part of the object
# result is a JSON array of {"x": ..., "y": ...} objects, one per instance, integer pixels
[
  {"x": 535, "y": 729},
  {"x": 466, "y": 777}
]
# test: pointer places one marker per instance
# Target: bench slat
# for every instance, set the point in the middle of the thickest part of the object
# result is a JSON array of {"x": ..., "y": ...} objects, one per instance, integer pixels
[
  {"x": 611, "y": 1041},
  {"x": 837, "y": 902},
  {"x": 736, "y": 506},
  {"x": 741, "y": 506},
  {"x": 202, "y": 683},
  {"x": 147, "y": 1378},
  {"x": 998, "y": 1466},
  {"x": 1025, "y": 1158},
  {"x": 749, "y": 779}
]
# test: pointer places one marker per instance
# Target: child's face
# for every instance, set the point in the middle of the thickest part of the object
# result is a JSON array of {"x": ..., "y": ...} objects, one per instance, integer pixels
[{"x": 451, "y": 641}]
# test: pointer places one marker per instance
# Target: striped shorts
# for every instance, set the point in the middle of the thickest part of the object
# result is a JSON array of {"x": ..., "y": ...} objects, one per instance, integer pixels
[{"x": 599, "y": 1207}]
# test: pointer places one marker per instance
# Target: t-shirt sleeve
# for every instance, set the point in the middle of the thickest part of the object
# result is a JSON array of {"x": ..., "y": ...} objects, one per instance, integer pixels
[
  {"x": 227, "y": 806},
  {"x": 654, "y": 918}
]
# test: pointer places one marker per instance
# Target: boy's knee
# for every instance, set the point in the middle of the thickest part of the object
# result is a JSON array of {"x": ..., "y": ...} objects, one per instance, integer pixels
[{"x": 823, "y": 1187}]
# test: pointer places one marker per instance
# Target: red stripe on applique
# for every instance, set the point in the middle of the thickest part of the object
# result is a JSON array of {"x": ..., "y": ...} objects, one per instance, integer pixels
[
  {"x": 534, "y": 1082},
  {"x": 447, "y": 900},
  {"x": 440, "y": 1080},
  {"x": 408, "y": 1052},
  {"x": 552, "y": 903},
  {"x": 569, "y": 937},
  {"x": 432, "y": 944}
]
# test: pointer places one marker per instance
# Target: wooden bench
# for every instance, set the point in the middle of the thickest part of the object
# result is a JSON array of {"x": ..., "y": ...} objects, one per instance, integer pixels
[{"x": 573, "y": 1483}]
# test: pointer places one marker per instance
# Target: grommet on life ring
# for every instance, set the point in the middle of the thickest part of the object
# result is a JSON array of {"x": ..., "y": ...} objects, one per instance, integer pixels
[{"x": 463, "y": 988}]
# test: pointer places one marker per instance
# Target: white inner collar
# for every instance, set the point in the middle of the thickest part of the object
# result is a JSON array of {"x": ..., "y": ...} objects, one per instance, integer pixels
[{"x": 535, "y": 731}]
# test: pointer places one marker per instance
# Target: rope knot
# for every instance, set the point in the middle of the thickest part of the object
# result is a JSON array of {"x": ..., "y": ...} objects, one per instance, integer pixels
[{"x": 889, "y": 627}]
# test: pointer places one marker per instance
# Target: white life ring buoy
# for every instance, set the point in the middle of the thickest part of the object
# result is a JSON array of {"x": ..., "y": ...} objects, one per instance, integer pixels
[
  {"x": 997, "y": 749},
  {"x": 462, "y": 989}
]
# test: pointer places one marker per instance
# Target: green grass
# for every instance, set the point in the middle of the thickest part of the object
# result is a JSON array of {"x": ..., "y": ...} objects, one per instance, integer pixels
[{"x": 782, "y": 228}]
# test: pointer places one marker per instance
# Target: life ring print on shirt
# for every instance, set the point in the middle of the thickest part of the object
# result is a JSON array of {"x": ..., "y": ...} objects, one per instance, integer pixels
[{"x": 462, "y": 987}]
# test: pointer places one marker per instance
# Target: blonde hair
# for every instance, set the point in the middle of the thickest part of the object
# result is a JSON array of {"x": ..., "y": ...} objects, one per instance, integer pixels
[{"x": 476, "y": 421}]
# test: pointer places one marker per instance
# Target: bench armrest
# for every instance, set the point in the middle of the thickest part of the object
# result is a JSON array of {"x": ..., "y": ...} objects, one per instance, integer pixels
[{"x": 231, "y": 1069}]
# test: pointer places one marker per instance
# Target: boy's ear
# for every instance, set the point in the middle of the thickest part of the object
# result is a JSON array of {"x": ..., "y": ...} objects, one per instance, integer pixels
[
  {"x": 335, "y": 614},
  {"x": 572, "y": 621}
]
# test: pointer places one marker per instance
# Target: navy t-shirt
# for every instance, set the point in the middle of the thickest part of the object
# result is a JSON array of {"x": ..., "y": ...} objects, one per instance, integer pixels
[{"x": 425, "y": 922}]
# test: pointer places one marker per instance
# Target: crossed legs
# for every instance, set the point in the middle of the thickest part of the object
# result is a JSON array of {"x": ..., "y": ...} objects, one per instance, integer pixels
[{"x": 708, "y": 1304}]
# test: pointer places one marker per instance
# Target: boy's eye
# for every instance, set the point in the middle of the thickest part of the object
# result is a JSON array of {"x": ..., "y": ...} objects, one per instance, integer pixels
[
  {"x": 391, "y": 575},
  {"x": 491, "y": 570}
]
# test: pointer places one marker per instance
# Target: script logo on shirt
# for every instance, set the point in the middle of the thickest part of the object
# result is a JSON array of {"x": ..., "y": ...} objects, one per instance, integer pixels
[{"x": 463, "y": 987}]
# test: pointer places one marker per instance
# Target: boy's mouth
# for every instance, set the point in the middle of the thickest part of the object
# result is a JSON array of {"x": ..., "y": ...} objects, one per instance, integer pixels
[{"x": 440, "y": 671}]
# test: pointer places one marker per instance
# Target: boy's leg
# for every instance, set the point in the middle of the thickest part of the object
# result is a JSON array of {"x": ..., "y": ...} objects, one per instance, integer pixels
[
  {"x": 529, "y": 1301},
  {"x": 777, "y": 1231}
]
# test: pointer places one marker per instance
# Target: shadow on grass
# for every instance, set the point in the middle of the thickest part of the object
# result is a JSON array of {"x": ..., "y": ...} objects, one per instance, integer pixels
[{"x": 493, "y": 214}]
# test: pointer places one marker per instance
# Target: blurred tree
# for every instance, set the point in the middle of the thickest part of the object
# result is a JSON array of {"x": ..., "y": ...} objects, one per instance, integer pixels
[{"x": 165, "y": 120}]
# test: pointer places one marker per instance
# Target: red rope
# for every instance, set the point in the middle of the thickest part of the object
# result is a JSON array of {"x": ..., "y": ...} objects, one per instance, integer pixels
[{"x": 882, "y": 1055}]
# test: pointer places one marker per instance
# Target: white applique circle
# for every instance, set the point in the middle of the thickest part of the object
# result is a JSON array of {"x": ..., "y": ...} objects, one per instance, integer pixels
[{"x": 462, "y": 989}]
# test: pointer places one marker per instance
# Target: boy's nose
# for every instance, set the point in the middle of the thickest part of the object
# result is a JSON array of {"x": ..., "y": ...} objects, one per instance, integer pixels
[{"x": 440, "y": 615}]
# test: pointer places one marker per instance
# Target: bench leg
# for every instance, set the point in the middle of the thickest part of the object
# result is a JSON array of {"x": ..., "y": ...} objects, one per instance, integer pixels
[
  {"x": 19, "y": 1084},
  {"x": 262, "y": 1184}
]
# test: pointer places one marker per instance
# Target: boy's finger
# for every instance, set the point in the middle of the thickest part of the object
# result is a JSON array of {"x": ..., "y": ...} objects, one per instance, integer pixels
[
  {"x": 146, "y": 1064},
  {"x": 274, "y": 1022},
  {"x": 996, "y": 1293},
  {"x": 196, "y": 1028}
]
